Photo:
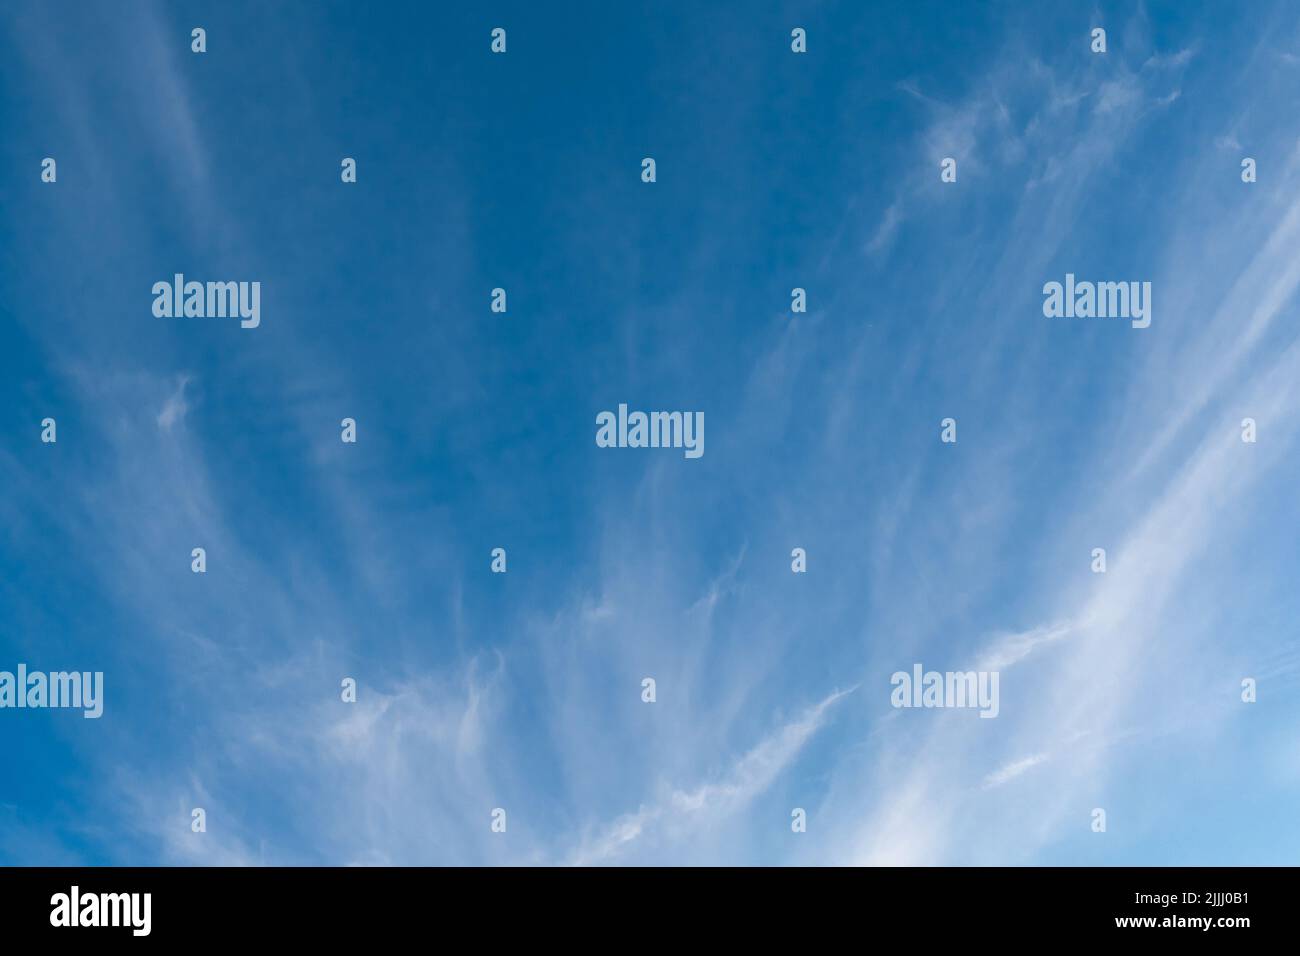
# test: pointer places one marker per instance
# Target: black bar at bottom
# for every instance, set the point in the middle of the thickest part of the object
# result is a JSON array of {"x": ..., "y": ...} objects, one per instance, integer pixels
[{"x": 611, "y": 907}]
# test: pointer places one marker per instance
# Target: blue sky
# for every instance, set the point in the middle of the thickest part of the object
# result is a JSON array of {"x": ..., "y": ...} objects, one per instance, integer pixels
[{"x": 476, "y": 430}]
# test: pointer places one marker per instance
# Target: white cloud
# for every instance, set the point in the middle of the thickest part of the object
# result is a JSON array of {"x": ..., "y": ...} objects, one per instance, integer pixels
[
  {"x": 1012, "y": 770},
  {"x": 175, "y": 407},
  {"x": 691, "y": 809},
  {"x": 889, "y": 224}
]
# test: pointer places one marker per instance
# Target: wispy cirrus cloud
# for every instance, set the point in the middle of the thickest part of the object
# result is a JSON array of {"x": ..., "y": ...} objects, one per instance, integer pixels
[{"x": 681, "y": 812}]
